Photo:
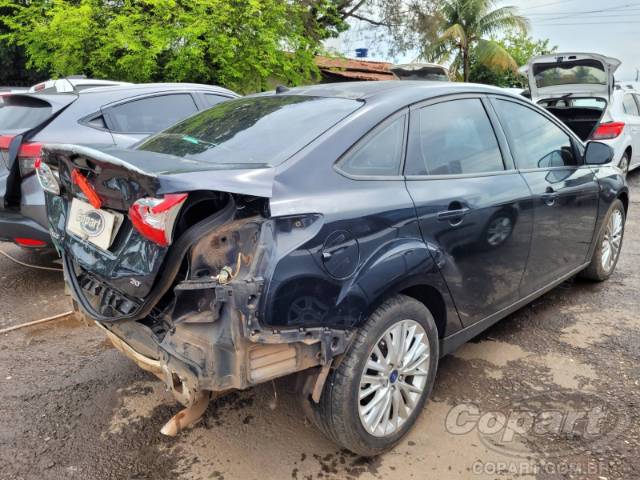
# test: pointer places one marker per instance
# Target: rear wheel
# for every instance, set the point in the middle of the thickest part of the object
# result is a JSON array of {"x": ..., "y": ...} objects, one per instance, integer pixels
[
  {"x": 374, "y": 396},
  {"x": 605, "y": 257},
  {"x": 625, "y": 162}
]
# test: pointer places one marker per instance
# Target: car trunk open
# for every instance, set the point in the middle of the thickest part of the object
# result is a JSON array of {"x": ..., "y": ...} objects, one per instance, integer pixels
[{"x": 575, "y": 87}]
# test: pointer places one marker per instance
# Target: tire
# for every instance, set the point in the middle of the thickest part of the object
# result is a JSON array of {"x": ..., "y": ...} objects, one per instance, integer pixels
[
  {"x": 338, "y": 415},
  {"x": 625, "y": 161},
  {"x": 601, "y": 266}
]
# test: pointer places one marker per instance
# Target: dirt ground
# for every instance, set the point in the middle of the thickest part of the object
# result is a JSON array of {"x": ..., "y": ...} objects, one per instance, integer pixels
[{"x": 562, "y": 373}]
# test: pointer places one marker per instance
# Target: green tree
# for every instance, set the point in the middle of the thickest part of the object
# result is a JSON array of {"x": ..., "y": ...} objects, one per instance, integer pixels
[
  {"x": 521, "y": 47},
  {"x": 466, "y": 27},
  {"x": 240, "y": 44}
]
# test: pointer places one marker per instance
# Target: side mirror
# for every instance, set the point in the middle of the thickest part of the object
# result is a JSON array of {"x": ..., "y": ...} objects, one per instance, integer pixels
[{"x": 598, "y": 154}]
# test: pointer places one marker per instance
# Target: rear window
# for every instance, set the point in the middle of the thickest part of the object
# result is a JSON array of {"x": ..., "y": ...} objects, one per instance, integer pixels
[
  {"x": 257, "y": 131},
  {"x": 22, "y": 113},
  {"x": 590, "y": 72}
]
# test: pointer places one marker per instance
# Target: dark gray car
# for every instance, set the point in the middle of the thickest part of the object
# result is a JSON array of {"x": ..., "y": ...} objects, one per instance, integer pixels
[{"x": 115, "y": 115}]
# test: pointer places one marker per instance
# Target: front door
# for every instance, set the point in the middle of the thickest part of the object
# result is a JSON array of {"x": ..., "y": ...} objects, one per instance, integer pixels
[
  {"x": 565, "y": 192},
  {"x": 474, "y": 209}
]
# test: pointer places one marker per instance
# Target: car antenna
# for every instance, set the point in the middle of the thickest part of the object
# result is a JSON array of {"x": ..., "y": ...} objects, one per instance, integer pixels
[{"x": 281, "y": 89}]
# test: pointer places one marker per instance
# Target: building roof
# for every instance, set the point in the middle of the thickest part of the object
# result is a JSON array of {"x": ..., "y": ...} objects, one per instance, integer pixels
[{"x": 352, "y": 69}]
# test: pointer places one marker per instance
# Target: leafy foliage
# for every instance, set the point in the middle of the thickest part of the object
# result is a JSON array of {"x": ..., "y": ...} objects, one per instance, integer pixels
[
  {"x": 465, "y": 27},
  {"x": 241, "y": 44},
  {"x": 521, "y": 48}
]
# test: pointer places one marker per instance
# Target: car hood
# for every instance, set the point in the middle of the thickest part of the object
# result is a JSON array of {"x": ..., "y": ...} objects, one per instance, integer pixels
[{"x": 554, "y": 76}]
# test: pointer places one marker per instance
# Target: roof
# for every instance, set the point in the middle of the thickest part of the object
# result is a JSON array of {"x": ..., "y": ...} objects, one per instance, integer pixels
[
  {"x": 353, "y": 69},
  {"x": 158, "y": 87},
  {"x": 409, "y": 91}
]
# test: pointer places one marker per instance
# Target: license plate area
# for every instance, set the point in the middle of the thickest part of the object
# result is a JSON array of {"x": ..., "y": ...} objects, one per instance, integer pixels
[{"x": 93, "y": 225}]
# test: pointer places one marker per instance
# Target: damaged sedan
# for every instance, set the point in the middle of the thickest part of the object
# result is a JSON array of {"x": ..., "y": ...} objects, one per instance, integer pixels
[{"x": 352, "y": 234}]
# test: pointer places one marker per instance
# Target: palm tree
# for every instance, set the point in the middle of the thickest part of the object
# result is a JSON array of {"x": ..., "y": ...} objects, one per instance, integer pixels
[{"x": 464, "y": 26}]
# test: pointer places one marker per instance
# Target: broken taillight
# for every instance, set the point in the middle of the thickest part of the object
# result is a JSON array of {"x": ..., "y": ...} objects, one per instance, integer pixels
[
  {"x": 608, "y": 131},
  {"x": 154, "y": 218},
  {"x": 47, "y": 179}
]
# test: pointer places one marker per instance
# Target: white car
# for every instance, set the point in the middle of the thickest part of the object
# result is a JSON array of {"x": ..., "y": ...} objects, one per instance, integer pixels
[
  {"x": 580, "y": 89},
  {"x": 72, "y": 84}
]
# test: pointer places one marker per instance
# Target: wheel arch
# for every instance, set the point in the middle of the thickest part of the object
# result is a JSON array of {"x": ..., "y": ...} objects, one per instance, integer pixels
[
  {"x": 624, "y": 198},
  {"x": 431, "y": 296}
]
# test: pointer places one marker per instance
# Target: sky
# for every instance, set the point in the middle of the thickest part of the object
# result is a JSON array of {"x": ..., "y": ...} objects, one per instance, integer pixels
[{"x": 608, "y": 27}]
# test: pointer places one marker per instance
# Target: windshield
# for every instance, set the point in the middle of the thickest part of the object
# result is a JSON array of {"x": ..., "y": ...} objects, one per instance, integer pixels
[
  {"x": 22, "y": 113},
  {"x": 590, "y": 72},
  {"x": 256, "y": 131}
]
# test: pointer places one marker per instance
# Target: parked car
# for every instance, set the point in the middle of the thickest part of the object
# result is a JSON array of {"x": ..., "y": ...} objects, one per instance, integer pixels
[
  {"x": 580, "y": 89},
  {"x": 74, "y": 83},
  {"x": 421, "y": 71},
  {"x": 112, "y": 115},
  {"x": 355, "y": 233}
]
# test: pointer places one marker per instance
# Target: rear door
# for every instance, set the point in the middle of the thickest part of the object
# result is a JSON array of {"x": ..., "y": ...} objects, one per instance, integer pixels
[
  {"x": 577, "y": 74},
  {"x": 135, "y": 119},
  {"x": 565, "y": 192},
  {"x": 473, "y": 206}
]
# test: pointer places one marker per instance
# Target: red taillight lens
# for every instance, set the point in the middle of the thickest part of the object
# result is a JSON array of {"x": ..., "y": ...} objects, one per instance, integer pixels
[
  {"x": 87, "y": 189},
  {"x": 28, "y": 155},
  {"x": 608, "y": 131},
  {"x": 5, "y": 141},
  {"x": 29, "y": 242},
  {"x": 154, "y": 218}
]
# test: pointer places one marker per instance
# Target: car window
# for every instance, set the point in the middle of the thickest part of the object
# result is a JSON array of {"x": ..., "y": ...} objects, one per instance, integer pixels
[
  {"x": 152, "y": 114},
  {"x": 252, "y": 132},
  {"x": 380, "y": 154},
  {"x": 23, "y": 113},
  {"x": 210, "y": 99},
  {"x": 535, "y": 141},
  {"x": 630, "y": 106},
  {"x": 455, "y": 137}
]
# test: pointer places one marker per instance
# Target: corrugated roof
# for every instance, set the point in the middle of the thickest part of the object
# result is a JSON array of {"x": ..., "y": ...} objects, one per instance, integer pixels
[{"x": 356, "y": 69}]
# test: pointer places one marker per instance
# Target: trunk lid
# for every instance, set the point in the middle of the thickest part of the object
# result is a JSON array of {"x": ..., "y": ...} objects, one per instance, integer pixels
[
  {"x": 123, "y": 277},
  {"x": 571, "y": 74}
]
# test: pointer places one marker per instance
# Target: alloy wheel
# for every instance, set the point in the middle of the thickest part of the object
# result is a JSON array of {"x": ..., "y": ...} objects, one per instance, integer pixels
[
  {"x": 498, "y": 231},
  {"x": 394, "y": 378},
  {"x": 612, "y": 240}
]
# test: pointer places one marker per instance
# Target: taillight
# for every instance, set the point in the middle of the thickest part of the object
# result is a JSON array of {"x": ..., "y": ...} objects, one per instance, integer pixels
[
  {"x": 608, "y": 131},
  {"x": 27, "y": 156},
  {"x": 46, "y": 177},
  {"x": 154, "y": 218}
]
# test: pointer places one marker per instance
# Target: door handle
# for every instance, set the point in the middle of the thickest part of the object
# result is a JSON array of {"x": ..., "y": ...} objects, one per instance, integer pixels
[{"x": 453, "y": 215}]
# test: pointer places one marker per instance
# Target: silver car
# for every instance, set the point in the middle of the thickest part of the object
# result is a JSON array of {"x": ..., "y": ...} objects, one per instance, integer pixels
[{"x": 118, "y": 115}]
